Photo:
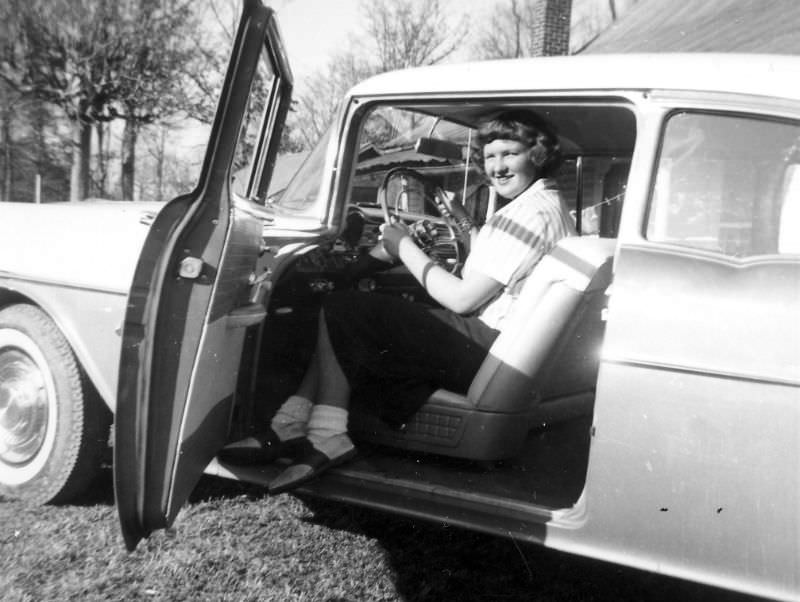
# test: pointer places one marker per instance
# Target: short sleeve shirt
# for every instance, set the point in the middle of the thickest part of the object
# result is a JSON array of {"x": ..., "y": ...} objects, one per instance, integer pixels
[{"x": 514, "y": 240}]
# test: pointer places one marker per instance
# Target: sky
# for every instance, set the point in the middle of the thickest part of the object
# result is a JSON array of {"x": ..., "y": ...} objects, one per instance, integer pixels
[{"x": 314, "y": 29}]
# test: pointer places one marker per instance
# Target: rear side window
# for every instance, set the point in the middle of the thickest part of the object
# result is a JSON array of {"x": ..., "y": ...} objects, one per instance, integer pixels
[{"x": 728, "y": 184}]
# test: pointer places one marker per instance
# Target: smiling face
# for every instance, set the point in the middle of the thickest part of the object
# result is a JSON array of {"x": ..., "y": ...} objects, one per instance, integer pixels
[{"x": 510, "y": 167}]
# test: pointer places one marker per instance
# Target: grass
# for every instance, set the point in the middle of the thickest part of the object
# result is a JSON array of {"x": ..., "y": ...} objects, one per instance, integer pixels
[{"x": 233, "y": 542}]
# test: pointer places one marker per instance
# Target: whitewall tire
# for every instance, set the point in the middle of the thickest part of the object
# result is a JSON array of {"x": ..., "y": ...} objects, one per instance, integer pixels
[{"x": 53, "y": 427}]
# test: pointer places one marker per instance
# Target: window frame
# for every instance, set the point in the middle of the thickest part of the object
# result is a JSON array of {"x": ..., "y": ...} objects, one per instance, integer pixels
[{"x": 700, "y": 110}]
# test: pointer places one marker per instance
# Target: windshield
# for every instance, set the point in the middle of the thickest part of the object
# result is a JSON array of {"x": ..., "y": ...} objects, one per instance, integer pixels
[
  {"x": 302, "y": 193},
  {"x": 430, "y": 151}
]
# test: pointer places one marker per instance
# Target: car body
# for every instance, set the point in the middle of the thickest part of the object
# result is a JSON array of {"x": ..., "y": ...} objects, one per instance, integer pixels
[{"x": 644, "y": 410}]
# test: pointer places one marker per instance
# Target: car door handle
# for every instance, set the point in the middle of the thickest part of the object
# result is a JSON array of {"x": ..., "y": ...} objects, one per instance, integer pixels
[{"x": 247, "y": 315}]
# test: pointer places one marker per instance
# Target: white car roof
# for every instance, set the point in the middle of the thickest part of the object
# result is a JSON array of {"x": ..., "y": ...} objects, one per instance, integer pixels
[{"x": 756, "y": 74}]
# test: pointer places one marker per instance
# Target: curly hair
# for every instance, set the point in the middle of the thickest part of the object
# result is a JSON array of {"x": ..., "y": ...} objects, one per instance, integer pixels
[{"x": 527, "y": 127}]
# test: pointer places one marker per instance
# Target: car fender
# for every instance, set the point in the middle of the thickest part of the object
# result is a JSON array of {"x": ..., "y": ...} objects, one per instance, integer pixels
[{"x": 75, "y": 261}]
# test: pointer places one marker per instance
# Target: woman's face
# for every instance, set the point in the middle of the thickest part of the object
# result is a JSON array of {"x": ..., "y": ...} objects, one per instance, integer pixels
[{"x": 509, "y": 165}]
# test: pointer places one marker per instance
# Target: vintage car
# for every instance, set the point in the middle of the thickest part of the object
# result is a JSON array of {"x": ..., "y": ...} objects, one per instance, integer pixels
[{"x": 644, "y": 410}]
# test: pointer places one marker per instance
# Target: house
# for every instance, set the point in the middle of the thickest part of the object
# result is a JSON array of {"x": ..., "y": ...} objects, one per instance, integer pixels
[{"x": 752, "y": 26}]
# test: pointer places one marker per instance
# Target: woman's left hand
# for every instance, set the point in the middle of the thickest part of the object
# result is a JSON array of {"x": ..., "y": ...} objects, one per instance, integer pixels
[{"x": 391, "y": 235}]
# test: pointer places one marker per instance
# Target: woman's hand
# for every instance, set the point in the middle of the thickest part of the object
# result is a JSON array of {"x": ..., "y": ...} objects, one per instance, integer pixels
[
  {"x": 391, "y": 235},
  {"x": 454, "y": 206},
  {"x": 449, "y": 203}
]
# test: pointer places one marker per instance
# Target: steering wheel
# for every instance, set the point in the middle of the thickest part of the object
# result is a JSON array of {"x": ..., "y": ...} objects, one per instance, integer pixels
[{"x": 404, "y": 196}]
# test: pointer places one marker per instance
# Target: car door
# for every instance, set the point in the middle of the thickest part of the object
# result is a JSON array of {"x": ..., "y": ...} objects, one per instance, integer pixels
[
  {"x": 189, "y": 306},
  {"x": 695, "y": 458}
]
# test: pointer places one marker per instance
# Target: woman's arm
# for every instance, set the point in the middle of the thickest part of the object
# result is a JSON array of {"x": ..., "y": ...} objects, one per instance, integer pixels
[{"x": 461, "y": 295}]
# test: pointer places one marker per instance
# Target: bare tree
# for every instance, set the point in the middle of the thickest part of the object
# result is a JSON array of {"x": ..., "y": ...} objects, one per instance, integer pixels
[
  {"x": 210, "y": 42},
  {"x": 407, "y": 33},
  {"x": 151, "y": 88},
  {"x": 508, "y": 34},
  {"x": 99, "y": 60},
  {"x": 7, "y": 117},
  {"x": 397, "y": 34},
  {"x": 316, "y": 106},
  {"x": 58, "y": 56}
]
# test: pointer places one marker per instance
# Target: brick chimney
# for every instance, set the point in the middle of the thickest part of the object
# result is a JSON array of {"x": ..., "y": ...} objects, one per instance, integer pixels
[{"x": 551, "y": 25}]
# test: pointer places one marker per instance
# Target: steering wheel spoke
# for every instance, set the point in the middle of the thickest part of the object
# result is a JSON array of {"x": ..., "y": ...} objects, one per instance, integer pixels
[{"x": 406, "y": 195}]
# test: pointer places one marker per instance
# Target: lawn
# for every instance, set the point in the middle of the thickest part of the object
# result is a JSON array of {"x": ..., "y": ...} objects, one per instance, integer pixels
[{"x": 233, "y": 542}]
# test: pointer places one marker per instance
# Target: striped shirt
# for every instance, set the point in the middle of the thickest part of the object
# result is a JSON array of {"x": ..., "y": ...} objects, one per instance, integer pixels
[{"x": 514, "y": 240}]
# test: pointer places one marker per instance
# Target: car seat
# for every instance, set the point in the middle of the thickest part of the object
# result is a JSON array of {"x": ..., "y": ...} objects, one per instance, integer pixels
[{"x": 541, "y": 368}]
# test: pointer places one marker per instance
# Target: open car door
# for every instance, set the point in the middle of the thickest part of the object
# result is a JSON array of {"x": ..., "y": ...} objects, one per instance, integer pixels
[{"x": 189, "y": 306}]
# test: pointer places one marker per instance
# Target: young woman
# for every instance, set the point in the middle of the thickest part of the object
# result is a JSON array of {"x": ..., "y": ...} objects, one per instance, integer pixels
[{"x": 394, "y": 353}]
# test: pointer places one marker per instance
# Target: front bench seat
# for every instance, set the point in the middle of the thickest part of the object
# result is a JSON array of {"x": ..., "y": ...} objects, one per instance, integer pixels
[{"x": 542, "y": 368}]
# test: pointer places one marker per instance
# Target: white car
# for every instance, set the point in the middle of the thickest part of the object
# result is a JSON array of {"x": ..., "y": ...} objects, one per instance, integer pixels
[{"x": 645, "y": 409}]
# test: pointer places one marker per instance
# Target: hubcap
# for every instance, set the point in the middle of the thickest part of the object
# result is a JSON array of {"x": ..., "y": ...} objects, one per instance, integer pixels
[{"x": 24, "y": 407}]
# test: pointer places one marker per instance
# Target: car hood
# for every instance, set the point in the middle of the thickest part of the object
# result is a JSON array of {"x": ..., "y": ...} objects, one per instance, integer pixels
[{"x": 92, "y": 244}]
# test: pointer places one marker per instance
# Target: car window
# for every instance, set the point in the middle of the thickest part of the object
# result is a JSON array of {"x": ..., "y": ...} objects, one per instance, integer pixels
[
  {"x": 728, "y": 184},
  {"x": 301, "y": 197},
  {"x": 594, "y": 190},
  {"x": 435, "y": 148},
  {"x": 243, "y": 171}
]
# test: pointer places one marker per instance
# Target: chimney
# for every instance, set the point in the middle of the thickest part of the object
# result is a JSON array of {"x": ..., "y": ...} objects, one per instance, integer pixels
[{"x": 551, "y": 27}]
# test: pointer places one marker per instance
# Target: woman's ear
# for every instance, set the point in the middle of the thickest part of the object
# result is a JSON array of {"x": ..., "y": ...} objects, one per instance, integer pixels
[{"x": 537, "y": 155}]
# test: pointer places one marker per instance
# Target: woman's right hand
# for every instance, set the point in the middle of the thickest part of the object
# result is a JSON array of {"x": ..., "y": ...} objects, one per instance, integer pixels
[{"x": 453, "y": 205}]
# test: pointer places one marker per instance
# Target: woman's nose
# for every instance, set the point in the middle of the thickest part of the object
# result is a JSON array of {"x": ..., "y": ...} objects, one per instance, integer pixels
[{"x": 499, "y": 167}]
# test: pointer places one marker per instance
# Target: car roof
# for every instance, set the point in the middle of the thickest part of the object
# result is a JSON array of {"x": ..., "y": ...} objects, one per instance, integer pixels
[{"x": 755, "y": 74}]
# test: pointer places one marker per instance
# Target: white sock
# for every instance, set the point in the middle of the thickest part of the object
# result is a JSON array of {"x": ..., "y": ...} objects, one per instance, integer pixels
[
  {"x": 291, "y": 418},
  {"x": 327, "y": 429}
]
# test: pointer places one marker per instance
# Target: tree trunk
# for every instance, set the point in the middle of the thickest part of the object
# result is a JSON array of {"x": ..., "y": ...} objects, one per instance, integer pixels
[
  {"x": 162, "y": 138},
  {"x": 5, "y": 190},
  {"x": 39, "y": 121},
  {"x": 81, "y": 148},
  {"x": 129, "y": 136},
  {"x": 102, "y": 163}
]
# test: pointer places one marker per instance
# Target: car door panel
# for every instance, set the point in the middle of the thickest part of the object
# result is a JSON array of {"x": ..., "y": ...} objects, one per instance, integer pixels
[
  {"x": 189, "y": 305},
  {"x": 698, "y": 398},
  {"x": 694, "y": 443}
]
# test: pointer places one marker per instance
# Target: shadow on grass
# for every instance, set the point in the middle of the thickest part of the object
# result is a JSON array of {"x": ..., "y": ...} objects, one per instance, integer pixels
[
  {"x": 435, "y": 562},
  {"x": 99, "y": 493}
]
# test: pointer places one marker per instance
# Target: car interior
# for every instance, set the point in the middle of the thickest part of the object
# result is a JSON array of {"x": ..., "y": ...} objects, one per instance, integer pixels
[{"x": 522, "y": 430}]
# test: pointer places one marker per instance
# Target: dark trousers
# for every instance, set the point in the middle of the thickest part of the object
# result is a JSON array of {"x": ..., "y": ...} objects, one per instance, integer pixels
[{"x": 395, "y": 353}]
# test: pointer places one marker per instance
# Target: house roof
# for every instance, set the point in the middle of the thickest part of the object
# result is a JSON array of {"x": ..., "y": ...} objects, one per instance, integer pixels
[{"x": 749, "y": 26}]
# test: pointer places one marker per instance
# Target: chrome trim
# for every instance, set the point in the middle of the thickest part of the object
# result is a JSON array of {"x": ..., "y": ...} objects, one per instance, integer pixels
[
  {"x": 700, "y": 371},
  {"x": 679, "y": 250},
  {"x": 61, "y": 284}
]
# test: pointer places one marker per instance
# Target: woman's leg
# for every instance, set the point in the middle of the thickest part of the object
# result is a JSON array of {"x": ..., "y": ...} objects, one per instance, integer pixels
[
  {"x": 333, "y": 388},
  {"x": 287, "y": 428},
  {"x": 291, "y": 419},
  {"x": 323, "y": 383},
  {"x": 328, "y": 441}
]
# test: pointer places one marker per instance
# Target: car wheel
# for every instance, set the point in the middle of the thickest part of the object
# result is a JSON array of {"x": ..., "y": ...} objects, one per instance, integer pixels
[{"x": 53, "y": 426}]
